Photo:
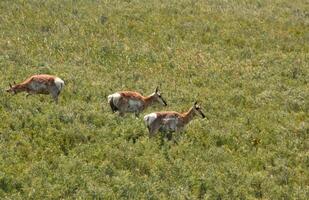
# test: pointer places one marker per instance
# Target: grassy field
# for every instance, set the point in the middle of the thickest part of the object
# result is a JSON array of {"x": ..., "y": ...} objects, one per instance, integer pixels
[{"x": 246, "y": 62}]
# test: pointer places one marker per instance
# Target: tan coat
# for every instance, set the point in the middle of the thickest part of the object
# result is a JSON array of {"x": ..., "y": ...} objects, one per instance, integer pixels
[
  {"x": 39, "y": 84},
  {"x": 170, "y": 121}
]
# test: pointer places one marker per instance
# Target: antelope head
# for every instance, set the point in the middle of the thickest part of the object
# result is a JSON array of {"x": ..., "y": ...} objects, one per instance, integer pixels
[
  {"x": 198, "y": 110},
  {"x": 11, "y": 89},
  {"x": 158, "y": 97}
]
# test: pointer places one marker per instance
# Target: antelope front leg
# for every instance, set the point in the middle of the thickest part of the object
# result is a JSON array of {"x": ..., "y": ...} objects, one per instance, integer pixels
[
  {"x": 169, "y": 135},
  {"x": 137, "y": 114},
  {"x": 152, "y": 131},
  {"x": 29, "y": 93}
]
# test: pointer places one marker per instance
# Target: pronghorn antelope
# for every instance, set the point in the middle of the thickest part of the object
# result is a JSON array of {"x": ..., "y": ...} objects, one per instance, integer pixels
[
  {"x": 170, "y": 121},
  {"x": 39, "y": 84},
  {"x": 133, "y": 102}
]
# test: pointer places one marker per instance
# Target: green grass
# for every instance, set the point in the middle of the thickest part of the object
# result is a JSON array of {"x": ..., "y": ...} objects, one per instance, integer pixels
[{"x": 246, "y": 62}]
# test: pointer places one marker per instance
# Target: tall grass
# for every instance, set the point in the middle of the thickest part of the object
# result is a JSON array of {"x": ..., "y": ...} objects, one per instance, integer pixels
[{"x": 246, "y": 62}]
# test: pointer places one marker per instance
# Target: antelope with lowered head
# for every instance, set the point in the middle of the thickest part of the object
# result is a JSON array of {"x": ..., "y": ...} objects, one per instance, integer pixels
[
  {"x": 39, "y": 84},
  {"x": 133, "y": 102},
  {"x": 171, "y": 121}
]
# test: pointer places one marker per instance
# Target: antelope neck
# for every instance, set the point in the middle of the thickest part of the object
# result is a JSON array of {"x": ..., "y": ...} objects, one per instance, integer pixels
[
  {"x": 19, "y": 88},
  {"x": 188, "y": 116},
  {"x": 149, "y": 100}
]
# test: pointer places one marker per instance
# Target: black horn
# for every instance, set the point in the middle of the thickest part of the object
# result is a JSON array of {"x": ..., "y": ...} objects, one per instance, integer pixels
[{"x": 203, "y": 115}]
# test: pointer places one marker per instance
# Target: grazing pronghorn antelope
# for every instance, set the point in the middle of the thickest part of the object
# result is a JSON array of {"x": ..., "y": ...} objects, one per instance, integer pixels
[
  {"x": 170, "y": 121},
  {"x": 39, "y": 84},
  {"x": 134, "y": 102}
]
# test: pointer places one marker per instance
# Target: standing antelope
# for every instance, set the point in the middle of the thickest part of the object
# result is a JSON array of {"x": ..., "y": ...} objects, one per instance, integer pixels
[
  {"x": 170, "y": 121},
  {"x": 134, "y": 102},
  {"x": 39, "y": 84}
]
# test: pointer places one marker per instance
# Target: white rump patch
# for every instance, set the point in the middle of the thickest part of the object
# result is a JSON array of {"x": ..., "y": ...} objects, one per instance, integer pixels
[
  {"x": 59, "y": 83},
  {"x": 115, "y": 96},
  {"x": 150, "y": 118}
]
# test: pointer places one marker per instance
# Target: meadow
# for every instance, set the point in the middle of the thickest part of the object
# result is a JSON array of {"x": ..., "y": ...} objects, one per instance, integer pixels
[{"x": 245, "y": 61}]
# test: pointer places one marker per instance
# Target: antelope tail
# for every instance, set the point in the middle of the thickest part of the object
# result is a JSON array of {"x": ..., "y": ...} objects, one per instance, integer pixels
[
  {"x": 59, "y": 83},
  {"x": 111, "y": 103},
  {"x": 146, "y": 120}
]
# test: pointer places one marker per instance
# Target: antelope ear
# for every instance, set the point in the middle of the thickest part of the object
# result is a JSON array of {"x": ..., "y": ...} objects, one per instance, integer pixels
[
  {"x": 10, "y": 85},
  {"x": 14, "y": 83},
  {"x": 195, "y": 103},
  {"x": 157, "y": 89}
]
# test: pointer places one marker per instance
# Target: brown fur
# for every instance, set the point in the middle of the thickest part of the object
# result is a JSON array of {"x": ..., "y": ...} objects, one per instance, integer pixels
[
  {"x": 130, "y": 101},
  {"x": 172, "y": 121},
  {"x": 37, "y": 84}
]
